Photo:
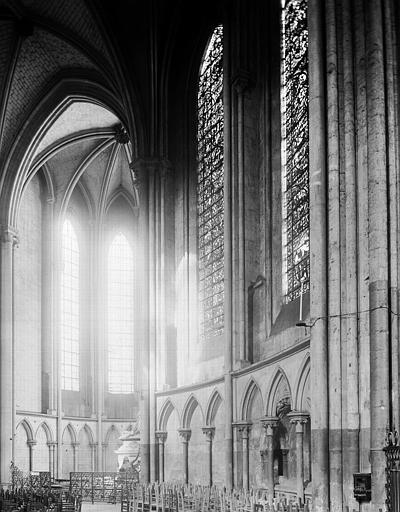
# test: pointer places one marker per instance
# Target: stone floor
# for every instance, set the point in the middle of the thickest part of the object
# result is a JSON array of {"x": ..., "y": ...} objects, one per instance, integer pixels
[{"x": 100, "y": 507}]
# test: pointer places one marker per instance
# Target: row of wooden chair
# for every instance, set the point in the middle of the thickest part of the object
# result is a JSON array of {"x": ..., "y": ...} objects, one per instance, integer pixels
[{"x": 197, "y": 498}]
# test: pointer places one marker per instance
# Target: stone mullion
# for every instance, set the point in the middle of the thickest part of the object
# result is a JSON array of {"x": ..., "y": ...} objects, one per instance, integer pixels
[
  {"x": 318, "y": 260},
  {"x": 378, "y": 248}
]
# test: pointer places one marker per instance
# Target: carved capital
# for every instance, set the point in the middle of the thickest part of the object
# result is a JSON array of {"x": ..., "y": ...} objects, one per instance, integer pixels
[
  {"x": 269, "y": 423},
  {"x": 31, "y": 443},
  {"x": 185, "y": 433},
  {"x": 161, "y": 435},
  {"x": 243, "y": 427},
  {"x": 299, "y": 419},
  {"x": 209, "y": 432}
]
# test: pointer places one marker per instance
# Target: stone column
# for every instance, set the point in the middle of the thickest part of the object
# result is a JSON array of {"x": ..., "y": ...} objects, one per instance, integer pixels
[
  {"x": 299, "y": 419},
  {"x": 49, "y": 375},
  {"x": 31, "y": 444},
  {"x": 318, "y": 258},
  {"x": 378, "y": 248},
  {"x": 7, "y": 399},
  {"x": 93, "y": 447},
  {"x": 52, "y": 460},
  {"x": 103, "y": 450},
  {"x": 162, "y": 437},
  {"x": 285, "y": 468},
  {"x": 228, "y": 273},
  {"x": 209, "y": 432},
  {"x": 270, "y": 423},
  {"x": 244, "y": 430},
  {"x": 75, "y": 448},
  {"x": 185, "y": 433}
]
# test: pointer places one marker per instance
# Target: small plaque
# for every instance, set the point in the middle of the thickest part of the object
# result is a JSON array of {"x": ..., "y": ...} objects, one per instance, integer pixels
[{"x": 362, "y": 486}]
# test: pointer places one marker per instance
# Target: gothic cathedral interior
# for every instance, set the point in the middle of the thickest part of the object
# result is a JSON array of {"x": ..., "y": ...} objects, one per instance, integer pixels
[{"x": 200, "y": 244}]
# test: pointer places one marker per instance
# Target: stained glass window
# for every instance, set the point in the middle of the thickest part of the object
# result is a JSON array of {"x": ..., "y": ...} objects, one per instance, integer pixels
[
  {"x": 70, "y": 309},
  {"x": 210, "y": 188},
  {"x": 120, "y": 316},
  {"x": 295, "y": 175}
]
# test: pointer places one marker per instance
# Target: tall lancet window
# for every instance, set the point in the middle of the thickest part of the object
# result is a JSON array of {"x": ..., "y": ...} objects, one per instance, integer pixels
[
  {"x": 210, "y": 188},
  {"x": 120, "y": 316},
  {"x": 70, "y": 309},
  {"x": 295, "y": 175}
]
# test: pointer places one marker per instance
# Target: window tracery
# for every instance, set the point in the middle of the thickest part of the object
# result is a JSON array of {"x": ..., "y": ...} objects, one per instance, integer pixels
[
  {"x": 210, "y": 188},
  {"x": 295, "y": 175}
]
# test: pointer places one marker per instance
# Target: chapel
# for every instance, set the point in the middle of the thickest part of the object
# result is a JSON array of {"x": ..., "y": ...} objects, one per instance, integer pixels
[{"x": 200, "y": 245}]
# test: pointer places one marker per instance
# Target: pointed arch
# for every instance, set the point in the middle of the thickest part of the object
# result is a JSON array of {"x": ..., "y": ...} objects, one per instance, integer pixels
[
  {"x": 28, "y": 429},
  {"x": 47, "y": 431},
  {"x": 213, "y": 405},
  {"x": 88, "y": 432},
  {"x": 188, "y": 411},
  {"x": 165, "y": 412},
  {"x": 301, "y": 383},
  {"x": 251, "y": 391},
  {"x": 72, "y": 433},
  {"x": 279, "y": 384}
]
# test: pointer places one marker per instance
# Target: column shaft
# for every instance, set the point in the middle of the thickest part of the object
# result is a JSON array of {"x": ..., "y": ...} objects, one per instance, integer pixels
[
  {"x": 300, "y": 466},
  {"x": 6, "y": 356},
  {"x": 49, "y": 376},
  {"x": 378, "y": 248},
  {"x": 318, "y": 260},
  {"x": 245, "y": 441},
  {"x": 161, "y": 460},
  {"x": 228, "y": 245}
]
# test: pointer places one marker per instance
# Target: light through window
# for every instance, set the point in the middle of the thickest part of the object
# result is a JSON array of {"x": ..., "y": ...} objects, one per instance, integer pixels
[
  {"x": 210, "y": 188},
  {"x": 120, "y": 316},
  {"x": 295, "y": 175},
  {"x": 70, "y": 309}
]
